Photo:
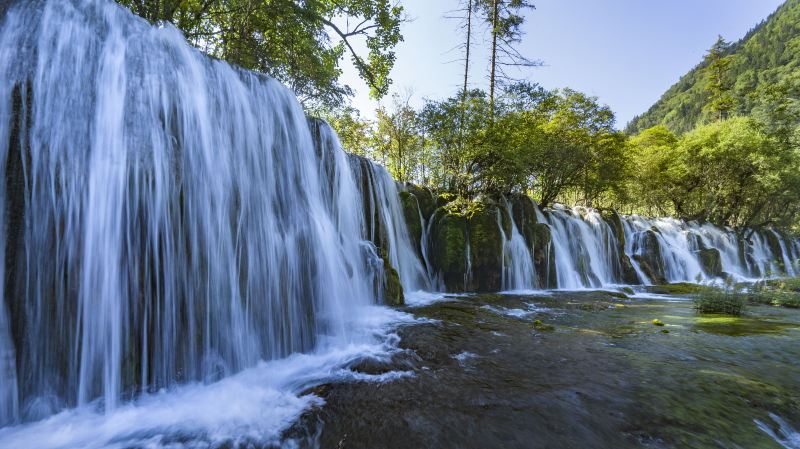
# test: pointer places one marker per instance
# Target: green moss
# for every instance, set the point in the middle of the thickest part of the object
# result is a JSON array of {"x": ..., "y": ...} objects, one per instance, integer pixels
[
  {"x": 411, "y": 213},
  {"x": 486, "y": 247},
  {"x": 392, "y": 287},
  {"x": 681, "y": 288},
  {"x": 448, "y": 255},
  {"x": 657, "y": 322},
  {"x": 538, "y": 325}
]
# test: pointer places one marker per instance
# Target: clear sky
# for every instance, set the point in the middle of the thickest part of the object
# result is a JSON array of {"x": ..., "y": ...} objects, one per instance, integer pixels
[{"x": 626, "y": 52}]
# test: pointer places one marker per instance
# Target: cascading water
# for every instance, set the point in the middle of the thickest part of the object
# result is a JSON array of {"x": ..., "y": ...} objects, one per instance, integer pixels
[
  {"x": 680, "y": 244},
  {"x": 518, "y": 270},
  {"x": 585, "y": 247},
  {"x": 387, "y": 224},
  {"x": 169, "y": 218}
]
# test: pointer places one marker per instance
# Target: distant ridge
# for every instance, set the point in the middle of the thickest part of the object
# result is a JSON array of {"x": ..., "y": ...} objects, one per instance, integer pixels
[{"x": 768, "y": 54}]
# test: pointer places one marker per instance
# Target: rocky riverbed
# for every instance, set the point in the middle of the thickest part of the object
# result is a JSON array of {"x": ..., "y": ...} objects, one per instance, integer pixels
[{"x": 572, "y": 369}]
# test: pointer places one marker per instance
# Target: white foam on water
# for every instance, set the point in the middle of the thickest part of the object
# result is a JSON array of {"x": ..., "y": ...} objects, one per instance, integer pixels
[
  {"x": 256, "y": 404},
  {"x": 422, "y": 298},
  {"x": 785, "y": 435}
]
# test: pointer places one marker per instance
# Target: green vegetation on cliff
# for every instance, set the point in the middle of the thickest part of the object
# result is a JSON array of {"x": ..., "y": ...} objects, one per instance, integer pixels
[{"x": 761, "y": 66}]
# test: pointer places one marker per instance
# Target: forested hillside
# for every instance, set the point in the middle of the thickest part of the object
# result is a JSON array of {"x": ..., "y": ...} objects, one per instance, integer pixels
[{"x": 767, "y": 58}]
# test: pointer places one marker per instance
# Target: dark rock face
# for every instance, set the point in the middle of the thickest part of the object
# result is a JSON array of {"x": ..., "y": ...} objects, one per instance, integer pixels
[
  {"x": 392, "y": 288},
  {"x": 711, "y": 261},
  {"x": 628, "y": 273},
  {"x": 544, "y": 255},
  {"x": 448, "y": 249},
  {"x": 648, "y": 255},
  {"x": 411, "y": 214},
  {"x": 486, "y": 247}
]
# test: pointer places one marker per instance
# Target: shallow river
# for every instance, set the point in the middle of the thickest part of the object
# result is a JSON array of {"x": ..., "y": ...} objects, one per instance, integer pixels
[{"x": 594, "y": 371}]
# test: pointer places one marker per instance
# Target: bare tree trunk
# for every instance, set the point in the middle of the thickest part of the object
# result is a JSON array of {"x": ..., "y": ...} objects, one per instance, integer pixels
[
  {"x": 493, "y": 69},
  {"x": 466, "y": 61}
]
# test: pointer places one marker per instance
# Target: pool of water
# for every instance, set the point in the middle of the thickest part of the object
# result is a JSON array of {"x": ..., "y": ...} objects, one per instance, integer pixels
[{"x": 572, "y": 369}]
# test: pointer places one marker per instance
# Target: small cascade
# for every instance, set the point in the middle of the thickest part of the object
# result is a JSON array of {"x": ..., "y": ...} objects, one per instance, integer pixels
[
  {"x": 434, "y": 281},
  {"x": 370, "y": 192},
  {"x": 680, "y": 246},
  {"x": 518, "y": 271},
  {"x": 585, "y": 247},
  {"x": 676, "y": 250}
]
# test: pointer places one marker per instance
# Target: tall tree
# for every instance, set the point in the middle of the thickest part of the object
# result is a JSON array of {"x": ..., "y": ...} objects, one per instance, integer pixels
[
  {"x": 718, "y": 83},
  {"x": 505, "y": 18}
]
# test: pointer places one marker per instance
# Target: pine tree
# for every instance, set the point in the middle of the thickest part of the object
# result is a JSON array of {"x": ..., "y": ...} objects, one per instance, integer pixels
[
  {"x": 718, "y": 83},
  {"x": 506, "y": 19}
]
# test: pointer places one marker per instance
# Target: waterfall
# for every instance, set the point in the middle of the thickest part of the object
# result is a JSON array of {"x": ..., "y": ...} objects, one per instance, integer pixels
[
  {"x": 388, "y": 226},
  {"x": 518, "y": 272},
  {"x": 680, "y": 244},
  {"x": 171, "y": 221},
  {"x": 585, "y": 247}
]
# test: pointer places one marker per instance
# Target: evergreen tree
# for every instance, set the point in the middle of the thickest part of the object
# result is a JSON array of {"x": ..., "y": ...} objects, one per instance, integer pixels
[
  {"x": 505, "y": 18},
  {"x": 718, "y": 83}
]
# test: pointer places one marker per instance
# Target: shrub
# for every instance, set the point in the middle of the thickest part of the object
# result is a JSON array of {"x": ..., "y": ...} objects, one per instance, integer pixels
[
  {"x": 776, "y": 292},
  {"x": 714, "y": 300}
]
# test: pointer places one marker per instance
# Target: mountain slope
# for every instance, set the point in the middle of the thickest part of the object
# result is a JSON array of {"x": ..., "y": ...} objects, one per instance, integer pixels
[{"x": 769, "y": 54}]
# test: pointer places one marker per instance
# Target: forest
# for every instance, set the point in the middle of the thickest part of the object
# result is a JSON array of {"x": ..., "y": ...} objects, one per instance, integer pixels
[{"x": 722, "y": 145}]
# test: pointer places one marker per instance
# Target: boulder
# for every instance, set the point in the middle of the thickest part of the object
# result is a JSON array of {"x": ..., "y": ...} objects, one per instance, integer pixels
[
  {"x": 648, "y": 254},
  {"x": 711, "y": 261}
]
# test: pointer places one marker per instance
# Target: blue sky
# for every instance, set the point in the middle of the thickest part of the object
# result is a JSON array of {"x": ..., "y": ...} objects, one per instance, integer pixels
[{"x": 626, "y": 52}]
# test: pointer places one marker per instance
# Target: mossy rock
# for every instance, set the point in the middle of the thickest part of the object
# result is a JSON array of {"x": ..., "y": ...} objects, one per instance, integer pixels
[
  {"x": 615, "y": 222},
  {"x": 711, "y": 261},
  {"x": 425, "y": 199},
  {"x": 628, "y": 272},
  {"x": 392, "y": 287},
  {"x": 695, "y": 241},
  {"x": 448, "y": 249},
  {"x": 544, "y": 254},
  {"x": 680, "y": 288},
  {"x": 486, "y": 247},
  {"x": 523, "y": 211},
  {"x": 649, "y": 257},
  {"x": 411, "y": 213}
]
